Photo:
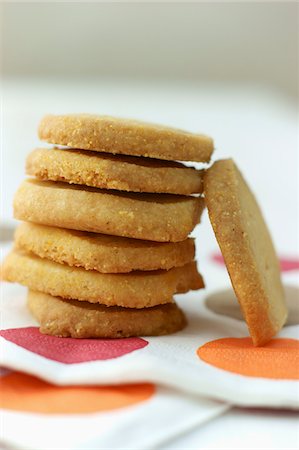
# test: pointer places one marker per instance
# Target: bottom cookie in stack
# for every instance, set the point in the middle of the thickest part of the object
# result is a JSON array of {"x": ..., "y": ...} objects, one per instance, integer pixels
[{"x": 81, "y": 319}]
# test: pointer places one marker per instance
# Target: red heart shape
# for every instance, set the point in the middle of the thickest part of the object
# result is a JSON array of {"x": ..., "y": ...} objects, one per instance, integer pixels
[{"x": 71, "y": 351}]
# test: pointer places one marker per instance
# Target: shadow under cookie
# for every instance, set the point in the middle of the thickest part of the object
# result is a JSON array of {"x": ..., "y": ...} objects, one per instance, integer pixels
[{"x": 224, "y": 302}]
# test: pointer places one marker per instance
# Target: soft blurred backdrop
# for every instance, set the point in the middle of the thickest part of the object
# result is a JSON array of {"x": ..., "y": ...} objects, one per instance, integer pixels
[{"x": 229, "y": 70}]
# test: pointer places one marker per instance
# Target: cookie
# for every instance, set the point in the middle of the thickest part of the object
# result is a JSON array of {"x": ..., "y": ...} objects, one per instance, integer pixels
[
  {"x": 124, "y": 173},
  {"x": 247, "y": 249},
  {"x": 133, "y": 290},
  {"x": 154, "y": 217},
  {"x": 122, "y": 136},
  {"x": 101, "y": 252},
  {"x": 71, "y": 318}
]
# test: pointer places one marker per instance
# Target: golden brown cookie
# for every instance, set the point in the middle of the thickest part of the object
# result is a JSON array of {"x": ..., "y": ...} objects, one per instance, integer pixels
[
  {"x": 154, "y": 217},
  {"x": 133, "y": 290},
  {"x": 122, "y": 136},
  {"x": 70, "y": 318},
  {"x": 101, "y": 252},
  {"x": 124, "y": 173},
  {"x": 247, "y": 249}
]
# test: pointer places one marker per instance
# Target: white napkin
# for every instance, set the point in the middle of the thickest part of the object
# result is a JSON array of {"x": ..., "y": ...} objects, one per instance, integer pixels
[{"x": 166, "y": 360}]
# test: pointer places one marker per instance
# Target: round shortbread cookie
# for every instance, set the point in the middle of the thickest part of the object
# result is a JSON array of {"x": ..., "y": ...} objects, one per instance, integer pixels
[
  {"x": 247, "y": 249},
  {"x": 124, "y": 173},
  {"x": 153, "y": 217},
  {"x": 122, "y": 136},
  {"x": 133, "y": 290},
  {"x": 71, "y": 318},
  {"x": 101, "y": 252}
]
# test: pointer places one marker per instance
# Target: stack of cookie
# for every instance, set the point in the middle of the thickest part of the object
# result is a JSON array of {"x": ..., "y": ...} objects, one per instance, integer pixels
[{"x": 104, "y": 245}]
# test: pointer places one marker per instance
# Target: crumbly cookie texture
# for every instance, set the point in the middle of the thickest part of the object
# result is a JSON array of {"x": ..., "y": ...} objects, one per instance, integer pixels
[
  {"x": 154, "y": 217},
  {"x": 106, "y": 171},
  {"x": 133, "y": 290},
  {"x": 122, "y": 136},
  {"x": 101, "y": 252},
  {"x": 247, "y": 249},
  {"x": 71, "y": 318}
]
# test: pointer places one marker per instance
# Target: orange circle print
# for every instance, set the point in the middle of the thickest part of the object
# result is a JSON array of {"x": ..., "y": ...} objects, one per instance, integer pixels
[
  {"x": 278, "y": 359},
  {"x": 26, "y": 393}
]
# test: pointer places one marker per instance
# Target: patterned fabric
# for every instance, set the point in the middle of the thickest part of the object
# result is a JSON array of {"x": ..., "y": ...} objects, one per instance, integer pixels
[{"x": 101, "y": 393}]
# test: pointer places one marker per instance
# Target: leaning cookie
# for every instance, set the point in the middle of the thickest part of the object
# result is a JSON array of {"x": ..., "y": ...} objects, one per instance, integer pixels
[
  {"x": 133, "y": 290},
  {"x": 104, "y": 171},
  {"x": 247, "y": 249},
  {"x": 71, "y": 318},
  {"x": 101, "y": 252},
  {"x": 122, "y": 136},
  {"x": 153, "y": 217}
]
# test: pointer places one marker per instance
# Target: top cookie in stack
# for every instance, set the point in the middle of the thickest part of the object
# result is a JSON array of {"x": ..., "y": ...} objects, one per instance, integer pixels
[
  {"x": 142, "y": 201},
  {"x": 125, "y": 137}
]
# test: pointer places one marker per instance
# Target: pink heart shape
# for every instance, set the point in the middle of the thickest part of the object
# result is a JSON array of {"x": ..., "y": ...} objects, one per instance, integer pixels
[{"x": 71, "y": 351}]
